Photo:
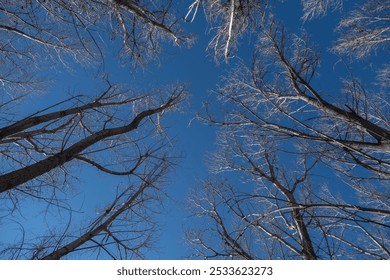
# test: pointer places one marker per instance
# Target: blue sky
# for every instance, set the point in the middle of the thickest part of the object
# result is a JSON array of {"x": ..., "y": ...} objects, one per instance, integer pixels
[{"x": 191, "y": 139}]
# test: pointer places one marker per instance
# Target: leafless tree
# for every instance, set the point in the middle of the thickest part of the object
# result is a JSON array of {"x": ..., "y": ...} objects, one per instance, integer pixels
[
  {"x": 38, "y": 33},
  {"x": 316, "y": 166},
  {"x": 285, "y": 209},
  {"x": 318, "y": 8},
  {"x": 365, "y": 30},
  {"x": 45, "y": 142},
  {"x": 284, "y": 102},
  {"x": 115, "y": 130},
  {"x": 118, "y": 133},
  {"x": 124, "y": 229},
  {"x": 228, "y": 20}
]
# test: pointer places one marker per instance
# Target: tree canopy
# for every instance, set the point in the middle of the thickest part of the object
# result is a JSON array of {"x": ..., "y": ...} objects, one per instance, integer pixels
[{"x": 301, "y": 166}]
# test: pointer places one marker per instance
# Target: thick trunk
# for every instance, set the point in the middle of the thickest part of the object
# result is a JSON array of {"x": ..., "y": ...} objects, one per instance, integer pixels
[
  {"x": 34, "y": 121},
  {"x": 15, "y": 178}
]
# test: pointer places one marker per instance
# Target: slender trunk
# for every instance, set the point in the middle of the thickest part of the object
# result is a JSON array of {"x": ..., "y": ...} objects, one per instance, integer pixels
[{"x": 72, "y": 246}]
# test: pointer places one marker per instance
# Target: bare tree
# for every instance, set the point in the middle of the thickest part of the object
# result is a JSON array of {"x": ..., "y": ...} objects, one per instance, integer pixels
[
  {"x": 365, "y": 30},
  {"x": 116, "y": 130},
  {"x": 318, "y": 8},
  {"x": 316, "y": 166},
  {"x": 50, "y": 140},
  {"x": 36, "y": 34},
  {"x": 112, "y": 133},
  {"x": 282, "y": 210},
  {"x": 229, "y": 20},
  {"x": 124, "y": 229}
]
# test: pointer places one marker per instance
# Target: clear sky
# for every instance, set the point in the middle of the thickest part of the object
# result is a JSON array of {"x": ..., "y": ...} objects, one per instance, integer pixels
[{"x": 191, "y": 140}]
